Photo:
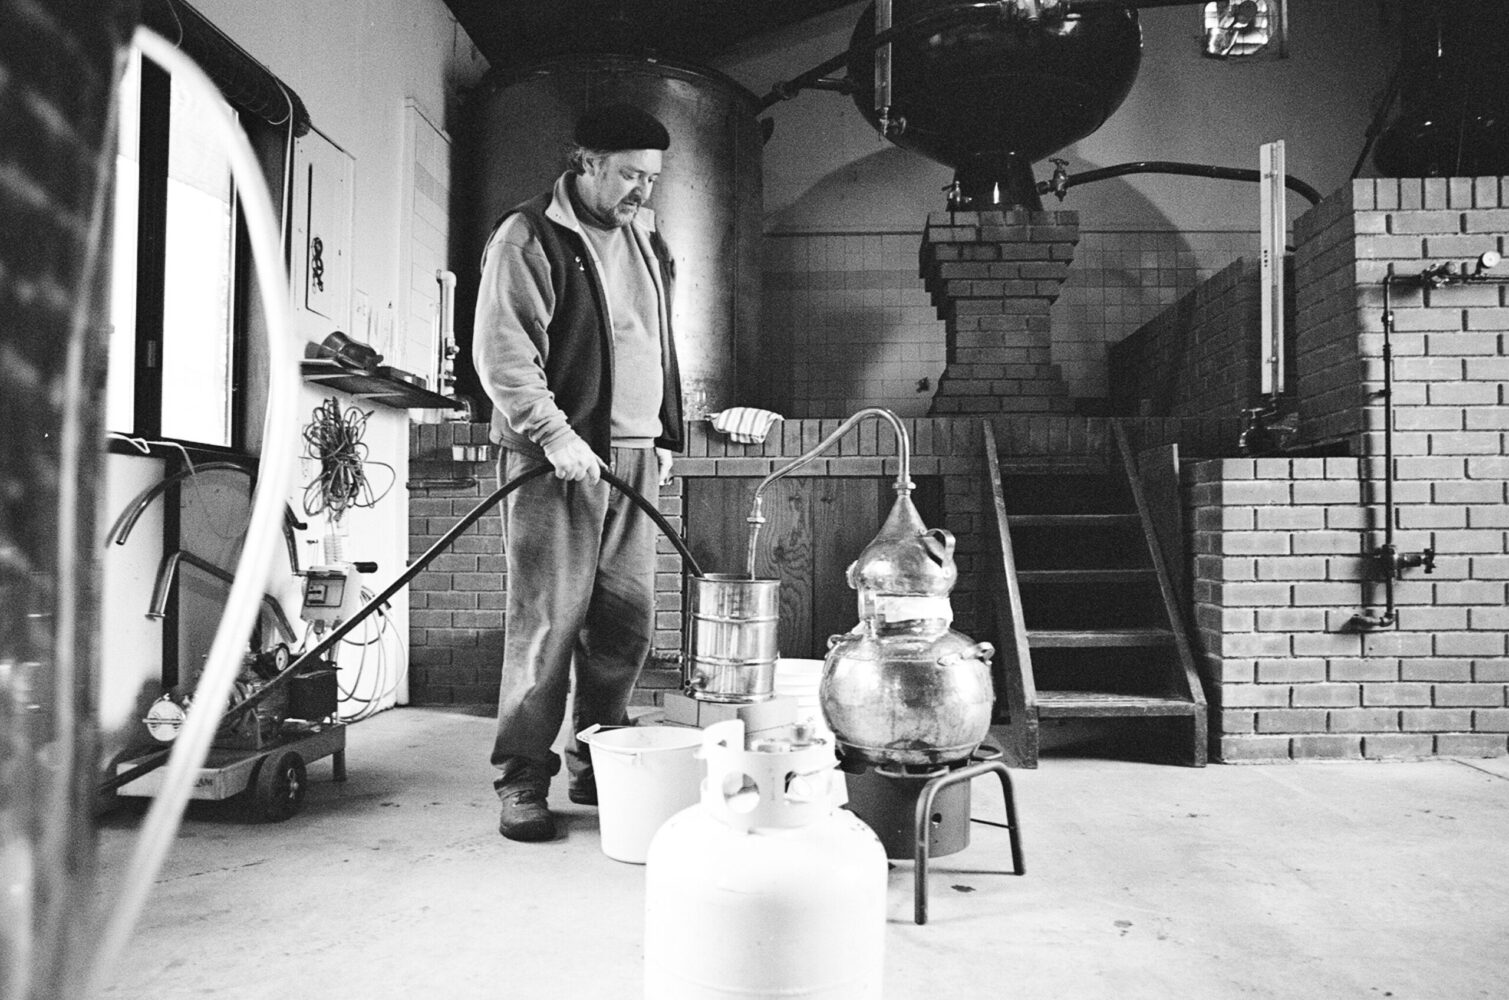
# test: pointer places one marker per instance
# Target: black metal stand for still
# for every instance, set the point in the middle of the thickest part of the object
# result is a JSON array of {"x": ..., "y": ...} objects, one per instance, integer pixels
[
  {"x": 924, "y": 824},
  {"x": 920, "y": 815}
]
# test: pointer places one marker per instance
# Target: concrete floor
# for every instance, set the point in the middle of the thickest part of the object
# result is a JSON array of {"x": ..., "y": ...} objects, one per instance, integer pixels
[{"x": 1346, "y": 880}]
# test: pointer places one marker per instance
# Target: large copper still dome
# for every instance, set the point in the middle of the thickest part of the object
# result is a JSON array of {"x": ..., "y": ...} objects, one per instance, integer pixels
[{"x": 989, "y": 93}]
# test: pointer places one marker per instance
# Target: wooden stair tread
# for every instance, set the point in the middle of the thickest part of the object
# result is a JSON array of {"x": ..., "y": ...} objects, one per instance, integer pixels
[
  {"x": 1071, "y": 520},
  {"x": 1089, "y": 704},
  {"x": 1098, "y": 638},
  {"x": 1119, "y": 575},
  {"x": 1085, "y": 531}
]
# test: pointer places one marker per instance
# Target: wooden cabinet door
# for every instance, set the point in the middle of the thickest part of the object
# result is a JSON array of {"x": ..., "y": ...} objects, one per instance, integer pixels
[{"x": 814, "y": 528}]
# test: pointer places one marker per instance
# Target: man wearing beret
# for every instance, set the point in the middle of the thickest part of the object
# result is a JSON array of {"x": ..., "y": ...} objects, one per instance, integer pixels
[{"x": 573, "y": 344}]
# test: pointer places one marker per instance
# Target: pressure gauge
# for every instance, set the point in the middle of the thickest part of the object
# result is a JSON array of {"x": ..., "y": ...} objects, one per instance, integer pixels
[{"x": 271, "y": 662}]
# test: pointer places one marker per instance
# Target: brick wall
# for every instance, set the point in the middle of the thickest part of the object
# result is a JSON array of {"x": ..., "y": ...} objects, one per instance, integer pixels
[
  {"x": 847, "y": 324},
  {"x": 846, "y": 320},
  {"x": 1201, "y": 357},
  {"x": 994, "y": 277},
  {"x": 1344, "y": 249},
  {"x": 1281, "y": 569},
  {"x": 456, "y": 606},
  {"x": 1122, "y": 279},
  {"x": 1282, "y": 546}
]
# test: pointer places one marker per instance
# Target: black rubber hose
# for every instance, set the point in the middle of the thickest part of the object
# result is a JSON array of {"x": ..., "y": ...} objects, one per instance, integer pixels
[
  {"x": 1171, "y": 167},
  {"x": 440, "y": 545},
  {"x": 660, "y": 522},
  {"x": 152, "y": 763},
  {"x": 143, "y": 765}
]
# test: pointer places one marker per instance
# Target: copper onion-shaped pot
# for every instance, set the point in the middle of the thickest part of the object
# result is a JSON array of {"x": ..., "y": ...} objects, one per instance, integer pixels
[{"x": 908, "y": 693}]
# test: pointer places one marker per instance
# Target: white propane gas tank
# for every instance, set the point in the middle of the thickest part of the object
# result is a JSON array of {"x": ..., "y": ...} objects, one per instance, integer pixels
[{"x": 765, "y": 889}]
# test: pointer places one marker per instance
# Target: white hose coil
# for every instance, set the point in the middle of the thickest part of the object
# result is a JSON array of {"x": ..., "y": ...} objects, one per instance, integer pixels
[{"x": 264, "y": 531}]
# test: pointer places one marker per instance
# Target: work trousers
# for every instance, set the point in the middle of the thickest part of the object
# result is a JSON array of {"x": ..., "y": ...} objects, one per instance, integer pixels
[{"x": 581, "y": 591}]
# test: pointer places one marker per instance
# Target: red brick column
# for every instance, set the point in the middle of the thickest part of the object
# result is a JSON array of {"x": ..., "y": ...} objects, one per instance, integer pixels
[{"x": 994, "y": 277}]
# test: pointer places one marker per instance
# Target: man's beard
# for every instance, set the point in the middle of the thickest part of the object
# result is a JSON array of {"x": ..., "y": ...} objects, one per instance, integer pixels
[{"x": 624, "y": 211}]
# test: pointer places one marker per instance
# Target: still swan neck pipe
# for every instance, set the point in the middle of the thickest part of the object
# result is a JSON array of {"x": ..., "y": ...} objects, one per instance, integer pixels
[{"x": 903, "y": 483}]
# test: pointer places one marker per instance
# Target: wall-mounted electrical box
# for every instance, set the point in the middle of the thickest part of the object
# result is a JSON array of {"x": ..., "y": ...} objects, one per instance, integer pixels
[{"x": 324, "y": 180}]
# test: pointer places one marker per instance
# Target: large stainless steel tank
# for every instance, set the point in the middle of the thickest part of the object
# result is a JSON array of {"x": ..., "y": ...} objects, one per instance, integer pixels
[
  {"x": 1453, "y": 89},
  {"x": 517, "y": 132}
]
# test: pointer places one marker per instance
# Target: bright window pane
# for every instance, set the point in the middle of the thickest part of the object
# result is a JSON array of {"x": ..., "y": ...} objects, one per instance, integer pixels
[
  {"x": 120, "y": 387},
  {"x": 196, "y": 376}
]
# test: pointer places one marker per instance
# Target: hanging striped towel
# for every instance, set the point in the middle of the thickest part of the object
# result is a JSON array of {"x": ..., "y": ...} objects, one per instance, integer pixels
[{"x": 745, "y": 424}]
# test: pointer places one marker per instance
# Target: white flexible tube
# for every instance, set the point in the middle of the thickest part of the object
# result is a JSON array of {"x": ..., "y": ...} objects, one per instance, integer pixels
[{"x": 264, "y": 532}]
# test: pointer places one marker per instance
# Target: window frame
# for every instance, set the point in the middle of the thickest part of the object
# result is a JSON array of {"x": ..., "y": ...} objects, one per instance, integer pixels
[{"x": 246, "y": 382}]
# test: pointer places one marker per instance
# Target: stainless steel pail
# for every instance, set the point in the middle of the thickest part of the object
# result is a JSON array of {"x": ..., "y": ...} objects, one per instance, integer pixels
[{"x": 731, "y": 646}]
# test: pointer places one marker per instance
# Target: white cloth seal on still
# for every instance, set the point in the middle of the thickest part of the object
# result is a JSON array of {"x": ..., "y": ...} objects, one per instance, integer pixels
[{"x": 745, "y": 424}]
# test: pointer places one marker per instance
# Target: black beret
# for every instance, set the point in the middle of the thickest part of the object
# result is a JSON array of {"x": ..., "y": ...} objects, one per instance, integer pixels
[{"x": 612, "y": 127}]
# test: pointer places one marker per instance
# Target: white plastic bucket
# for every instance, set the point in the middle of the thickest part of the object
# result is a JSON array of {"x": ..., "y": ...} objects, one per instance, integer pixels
[
  {"x": 801, "y": 680},
  {"x": 645, "y": 775}
]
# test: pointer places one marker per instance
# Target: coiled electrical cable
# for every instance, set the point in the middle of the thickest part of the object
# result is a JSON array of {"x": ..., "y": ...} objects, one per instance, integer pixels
[
  {"x": 335, "y": 439},
  {"x": 375, "y": 684}
]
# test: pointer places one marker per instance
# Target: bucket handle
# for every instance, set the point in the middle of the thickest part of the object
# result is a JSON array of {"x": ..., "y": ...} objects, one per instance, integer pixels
[{"x": 585, "y": 736}]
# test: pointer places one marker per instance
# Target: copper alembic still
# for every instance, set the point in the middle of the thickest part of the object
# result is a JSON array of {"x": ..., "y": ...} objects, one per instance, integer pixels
[{"x": 909, "y": 699}]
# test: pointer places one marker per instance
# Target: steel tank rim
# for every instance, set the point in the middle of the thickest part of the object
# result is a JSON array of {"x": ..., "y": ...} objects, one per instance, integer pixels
[{"x": 496, "y": 81}]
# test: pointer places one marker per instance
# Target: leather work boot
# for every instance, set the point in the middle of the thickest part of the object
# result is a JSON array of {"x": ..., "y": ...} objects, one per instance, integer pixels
[
  {"x": 525, "y": 816},
  {"x": 581, "y": 788}
]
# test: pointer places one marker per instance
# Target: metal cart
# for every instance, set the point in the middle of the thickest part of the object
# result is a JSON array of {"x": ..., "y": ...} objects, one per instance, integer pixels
[{"x": 272, "y": 778}]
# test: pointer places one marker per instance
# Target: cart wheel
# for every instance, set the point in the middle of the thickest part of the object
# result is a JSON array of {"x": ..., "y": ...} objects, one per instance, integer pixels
[{"x": 280, "y": 785}]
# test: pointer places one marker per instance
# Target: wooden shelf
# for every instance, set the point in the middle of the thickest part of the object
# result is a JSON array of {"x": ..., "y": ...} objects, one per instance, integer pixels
[{"x": 379, "y": 386}]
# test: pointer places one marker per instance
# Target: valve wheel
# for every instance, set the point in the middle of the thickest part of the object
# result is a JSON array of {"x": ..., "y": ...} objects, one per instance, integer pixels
[{"x": 280, "y": 785}]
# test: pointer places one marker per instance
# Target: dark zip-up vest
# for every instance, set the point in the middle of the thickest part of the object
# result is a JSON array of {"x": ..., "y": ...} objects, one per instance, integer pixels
[{"x": 579, "y": 363}]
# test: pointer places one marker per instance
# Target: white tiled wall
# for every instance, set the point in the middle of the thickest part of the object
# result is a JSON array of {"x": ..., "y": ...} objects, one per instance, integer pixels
[
  {"x": 848, "y": 315},
  {"x": 848, "y": 323},
  {"x": 1120, "y": 280}
]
